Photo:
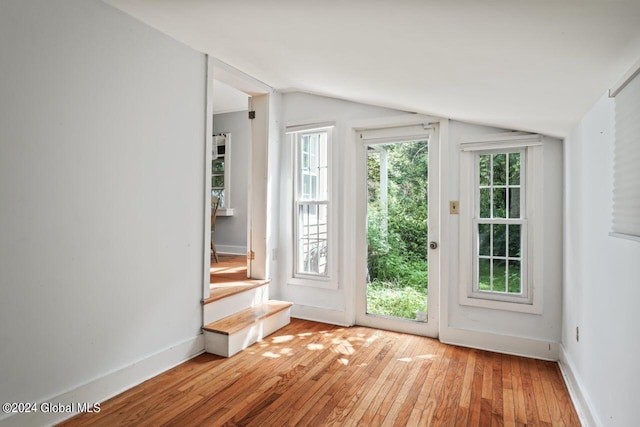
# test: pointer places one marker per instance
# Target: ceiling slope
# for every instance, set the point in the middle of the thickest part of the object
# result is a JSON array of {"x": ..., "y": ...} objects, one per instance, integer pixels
[{"x": 526, "y": 65}]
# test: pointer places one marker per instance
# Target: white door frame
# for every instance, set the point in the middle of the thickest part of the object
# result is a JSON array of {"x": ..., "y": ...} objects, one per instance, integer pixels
[
  {"x": 262, "y": 137},
  {"x": 429, "y": 328}
]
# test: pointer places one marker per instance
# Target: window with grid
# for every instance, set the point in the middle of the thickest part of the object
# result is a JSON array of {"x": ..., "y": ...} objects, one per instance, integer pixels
[
  {"x": 500, "y": 227},
  {"x": 311, "y": 203}
]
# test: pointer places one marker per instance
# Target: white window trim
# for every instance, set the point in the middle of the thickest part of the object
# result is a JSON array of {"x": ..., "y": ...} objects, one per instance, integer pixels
[
  {"x": 329, "y": 281},
  {"x": 533, "y": 182}
]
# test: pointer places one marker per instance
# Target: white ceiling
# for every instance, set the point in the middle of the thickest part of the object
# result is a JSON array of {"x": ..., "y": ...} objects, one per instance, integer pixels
[
  {"x": 227, "y": 99},
  {"x": 520, "y": 64}
]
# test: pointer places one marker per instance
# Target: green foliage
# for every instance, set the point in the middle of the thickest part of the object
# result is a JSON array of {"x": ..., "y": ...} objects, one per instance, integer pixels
[
  {"x": 397, "y": 263},
  {"x": 395, "y": 301}
]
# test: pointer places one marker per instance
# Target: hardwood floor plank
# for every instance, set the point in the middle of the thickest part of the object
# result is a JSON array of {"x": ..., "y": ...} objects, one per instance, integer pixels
[
  {"x": 475, "y": 404},
  {"x": 436, "y": 393},
  {"x": 497, "y": 392},
  {"x": 531, "y": 409},
  {"x": 313, "y": 374},
  {"x": 518, "y": 392}
]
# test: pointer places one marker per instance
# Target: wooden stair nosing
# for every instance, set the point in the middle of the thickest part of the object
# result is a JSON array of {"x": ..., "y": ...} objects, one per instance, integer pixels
[
  {"x": 226, "y": 291},
  {"x": 245, "y": 318}
]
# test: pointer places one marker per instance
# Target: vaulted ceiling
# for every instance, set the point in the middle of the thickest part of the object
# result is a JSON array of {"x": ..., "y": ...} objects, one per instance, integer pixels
[{"x": 519, "y": 64}]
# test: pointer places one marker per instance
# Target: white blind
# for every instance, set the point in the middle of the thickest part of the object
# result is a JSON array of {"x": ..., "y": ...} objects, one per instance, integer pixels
[{"x": 626, "y": 169}]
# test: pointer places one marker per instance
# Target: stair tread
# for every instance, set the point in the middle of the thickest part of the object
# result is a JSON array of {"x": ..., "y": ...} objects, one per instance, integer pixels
[
  {"x": 246, "y": 318},
  {"x": 222, "y": 290}
]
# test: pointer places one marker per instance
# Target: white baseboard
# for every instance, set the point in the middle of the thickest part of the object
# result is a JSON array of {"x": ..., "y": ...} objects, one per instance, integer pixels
[
  {"x": 231, "y": 249},
  {"x": 110, "y": 385},
  {"x": 318, "y": 314},
  {"x": 517, "y": 346},
  {"x": 579, "y": 396}
]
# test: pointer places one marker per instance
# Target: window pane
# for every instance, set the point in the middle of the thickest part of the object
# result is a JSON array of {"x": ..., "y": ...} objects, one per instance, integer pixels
[
  {"x": 499, "y": 169},
  {"x": 484, "y": 274},
  {"x": 499, "y": 240},
  {"x": 485, "y": 203},
  {"x": 515, "y": 243},
  {"x": 514, "y": 277},
  {"x": 485, "y": 169},
  {"x": 322, "y": 191},
  {"x": 219, "y": 193},
  {"x": 484, "y": 237},
  {"x": 312, "y": 238},
  {"x": 514, "y": 169},
  {"x": 499, "y": 275},
  {"x": 499, "y": 203},
  {"x": 217, "y": 165},
  {"x": 514, "y": 203},
  {"x": 217, "y": 181},
  {"x": 305, "y": 152}
]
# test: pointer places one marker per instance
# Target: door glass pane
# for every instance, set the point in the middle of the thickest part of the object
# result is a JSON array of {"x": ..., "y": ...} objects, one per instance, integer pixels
[{"x": 397, "y": 217}]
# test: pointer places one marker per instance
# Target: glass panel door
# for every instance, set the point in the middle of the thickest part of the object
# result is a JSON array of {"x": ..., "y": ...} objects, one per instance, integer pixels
[{"x": 398, "y": 205}]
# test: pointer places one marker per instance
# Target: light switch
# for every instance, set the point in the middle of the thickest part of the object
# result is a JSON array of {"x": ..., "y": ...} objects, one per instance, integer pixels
[{"x": 454, "y": 207}]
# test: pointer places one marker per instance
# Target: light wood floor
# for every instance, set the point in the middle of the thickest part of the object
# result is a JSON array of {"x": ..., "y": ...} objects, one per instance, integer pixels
[
  {"x": 230, "y": 268},
  {"x": 312, "y": 374}
]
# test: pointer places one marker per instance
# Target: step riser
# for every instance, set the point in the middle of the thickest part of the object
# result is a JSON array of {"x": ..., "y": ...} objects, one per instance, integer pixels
[
  {"x": 227, "y": 306},
  {"x": 228, "y": 345}
]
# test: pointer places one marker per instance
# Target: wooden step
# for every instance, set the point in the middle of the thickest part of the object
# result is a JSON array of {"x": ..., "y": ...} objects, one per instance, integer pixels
[
  {"x": 232, "y": 298},
  {"x": 222, "y": 290},
  {"x": 234, "y": 333}
]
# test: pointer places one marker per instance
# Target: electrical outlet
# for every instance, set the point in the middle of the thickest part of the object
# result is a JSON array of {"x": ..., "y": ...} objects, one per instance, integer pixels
[
  {"x": 454, "y": 207},
  {"x": 578, "y": 333}
]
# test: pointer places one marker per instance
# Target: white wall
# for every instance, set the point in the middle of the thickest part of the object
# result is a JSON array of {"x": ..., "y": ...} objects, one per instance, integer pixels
[
  {"x": 507, "y": 331},
  {"x": 102, "y": 195},
  {"x": 601, "y": 279},
  {"x": 231, "y": 231}
]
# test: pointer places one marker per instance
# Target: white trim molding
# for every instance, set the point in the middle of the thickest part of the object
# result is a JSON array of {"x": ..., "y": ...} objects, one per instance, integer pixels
[
  {"x": 579, "y": 397},
  {"x": 111, "y": 384},
  {"x": 506, "y": 344},
  {"x": 320, "y": 314}
]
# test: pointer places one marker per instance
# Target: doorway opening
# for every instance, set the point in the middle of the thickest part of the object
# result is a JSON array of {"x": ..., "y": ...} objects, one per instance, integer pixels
[
  {"x": 398, "y": 226},
  {"x": 234, "y": 167}
]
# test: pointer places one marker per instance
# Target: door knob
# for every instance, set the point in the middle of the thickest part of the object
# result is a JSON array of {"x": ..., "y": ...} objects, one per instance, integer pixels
[{"x": 433, "y": 245}]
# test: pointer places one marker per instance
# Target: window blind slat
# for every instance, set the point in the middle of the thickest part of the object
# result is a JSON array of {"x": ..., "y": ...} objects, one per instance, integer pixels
[{"x": 626, "y": 175}]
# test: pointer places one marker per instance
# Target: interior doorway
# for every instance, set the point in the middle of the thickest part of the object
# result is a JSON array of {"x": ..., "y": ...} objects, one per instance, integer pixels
[{"x": 236, "y": 204}]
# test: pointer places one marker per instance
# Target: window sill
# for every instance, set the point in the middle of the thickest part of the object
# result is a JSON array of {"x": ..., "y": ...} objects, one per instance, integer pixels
[
  {"x": 225, "y": 212},
  {"x": 501, "y": 305},
  {"x": 320, "y": 282}
]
